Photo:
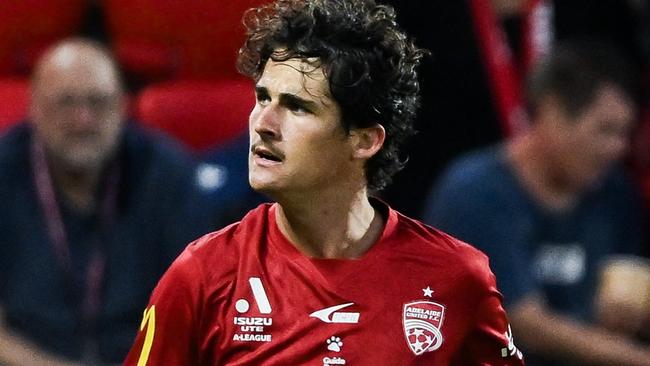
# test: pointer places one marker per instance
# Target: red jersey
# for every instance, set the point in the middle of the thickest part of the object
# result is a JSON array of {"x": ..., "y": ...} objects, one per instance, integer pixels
[{"x": 246, "y": 296}]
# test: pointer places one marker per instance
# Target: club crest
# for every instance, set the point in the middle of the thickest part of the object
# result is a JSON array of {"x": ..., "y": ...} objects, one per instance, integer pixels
[{"x": 422, "y": 321}]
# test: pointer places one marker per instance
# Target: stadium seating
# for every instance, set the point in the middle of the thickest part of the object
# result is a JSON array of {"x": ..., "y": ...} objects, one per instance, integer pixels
[
  {"x": 202, "y": 114},
  {"x": 27, "y": 27},
  {"x": 160, "y": 39},
  {"x": 14, "y": 101}
]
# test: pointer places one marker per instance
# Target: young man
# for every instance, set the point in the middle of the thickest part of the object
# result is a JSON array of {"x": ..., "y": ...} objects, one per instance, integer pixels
[{"x": 327, "y": 276}]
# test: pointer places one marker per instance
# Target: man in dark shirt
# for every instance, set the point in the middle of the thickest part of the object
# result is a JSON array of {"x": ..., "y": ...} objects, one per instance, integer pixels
[
  {"x": 93, "y": 211},
  {"x": 551, "y": 205}
]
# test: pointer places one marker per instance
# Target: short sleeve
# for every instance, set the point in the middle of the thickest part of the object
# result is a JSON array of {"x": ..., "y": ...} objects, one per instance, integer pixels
[
  {"x": 168, "y": 331},
  {"x": 490, "y": 340}
]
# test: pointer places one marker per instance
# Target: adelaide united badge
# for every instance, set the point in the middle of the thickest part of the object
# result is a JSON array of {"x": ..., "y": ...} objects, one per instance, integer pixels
[{"x": 422, "y": 321}]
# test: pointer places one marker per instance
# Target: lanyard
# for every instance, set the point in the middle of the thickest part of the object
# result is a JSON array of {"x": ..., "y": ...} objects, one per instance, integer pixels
[
  {"x": 93, "y": 278},
  {"x": 504, "y": 73},
  {"x": 538, "y": 32}
]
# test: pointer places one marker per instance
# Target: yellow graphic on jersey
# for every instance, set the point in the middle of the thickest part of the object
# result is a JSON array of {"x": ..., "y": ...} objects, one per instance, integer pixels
[{"x": 149, "y": 321}]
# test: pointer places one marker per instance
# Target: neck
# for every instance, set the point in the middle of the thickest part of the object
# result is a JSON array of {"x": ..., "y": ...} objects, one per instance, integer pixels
[
  {"x": 336, "y": 226},
  {"x": 537, "y": 170},
  {"x": 78, "y": 186}
]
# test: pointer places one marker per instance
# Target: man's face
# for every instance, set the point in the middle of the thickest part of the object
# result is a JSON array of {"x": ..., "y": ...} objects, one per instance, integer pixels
[
  {"x": 298, "y": 144},
  {"x": 77, "y": 109},
  {"x": 589, "y": 143}
]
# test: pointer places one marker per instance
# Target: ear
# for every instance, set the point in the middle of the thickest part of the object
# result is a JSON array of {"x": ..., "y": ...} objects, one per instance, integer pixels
[{"x": 366, "y": 142}]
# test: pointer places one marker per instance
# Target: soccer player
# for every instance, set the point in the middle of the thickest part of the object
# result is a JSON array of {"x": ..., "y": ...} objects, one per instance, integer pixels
[{"x": 328, "y": 275}]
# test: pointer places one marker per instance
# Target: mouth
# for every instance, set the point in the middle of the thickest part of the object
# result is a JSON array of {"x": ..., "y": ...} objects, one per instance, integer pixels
[{"x": 266, "y": 154}]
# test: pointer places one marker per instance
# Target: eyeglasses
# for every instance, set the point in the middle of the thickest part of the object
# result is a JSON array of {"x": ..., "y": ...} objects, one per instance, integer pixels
[{"x": 98, "y": 102}]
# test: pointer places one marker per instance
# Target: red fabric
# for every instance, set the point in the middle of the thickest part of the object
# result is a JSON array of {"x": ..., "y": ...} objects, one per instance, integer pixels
[
  {"x": 199, "y": 113},
  {"x": 28, "y": 27},
  {"x": 207, "y": 310},
  {"x": 156, "y": 39},
  {"x": 14, "y": 101},
  {"x": 502, "y": 71},
  {"x": 146, "y": 62}
]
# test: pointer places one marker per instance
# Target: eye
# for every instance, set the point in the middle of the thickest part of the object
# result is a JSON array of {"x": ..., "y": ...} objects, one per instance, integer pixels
[
  {"x": 263, "y": 98},
  {"x": 298, "y": 108},
  {"x": 65, "y": 101}
]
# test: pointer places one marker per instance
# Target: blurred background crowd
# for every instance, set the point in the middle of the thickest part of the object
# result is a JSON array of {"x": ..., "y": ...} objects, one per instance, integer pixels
[{"x": 123, "y": 130}]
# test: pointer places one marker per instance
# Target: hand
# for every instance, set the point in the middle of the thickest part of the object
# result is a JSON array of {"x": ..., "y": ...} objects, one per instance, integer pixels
[{"x": 622, "y": 303}]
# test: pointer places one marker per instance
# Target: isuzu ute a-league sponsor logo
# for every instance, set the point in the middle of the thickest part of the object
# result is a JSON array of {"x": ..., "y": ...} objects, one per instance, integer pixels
[
  {"x": 250, "y": 328},
  {"x": 422, "y": 321}
]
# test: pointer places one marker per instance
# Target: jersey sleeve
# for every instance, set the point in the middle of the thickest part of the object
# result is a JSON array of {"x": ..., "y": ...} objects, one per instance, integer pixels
[
  {"x": 168, "y": 331},
  {"x": 490, "y": 340}
]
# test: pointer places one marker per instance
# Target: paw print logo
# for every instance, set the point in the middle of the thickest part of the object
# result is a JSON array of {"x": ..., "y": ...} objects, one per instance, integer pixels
[{"x": 334, "y": 344}]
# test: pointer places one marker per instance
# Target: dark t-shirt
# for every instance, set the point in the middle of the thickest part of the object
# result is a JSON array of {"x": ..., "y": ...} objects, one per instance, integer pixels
[
  {"x": 158, "y": 211},
  {"x": 531, "y": 249}
]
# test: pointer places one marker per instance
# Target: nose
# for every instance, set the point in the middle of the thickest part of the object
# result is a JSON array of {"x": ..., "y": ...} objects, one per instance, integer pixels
[
  {"x": 83, "y": 115},
  {"x": 265, "y": 121}
]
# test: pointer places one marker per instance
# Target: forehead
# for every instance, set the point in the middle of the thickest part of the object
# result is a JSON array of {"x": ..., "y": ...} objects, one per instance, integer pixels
[
  {"x": 296, "y": 77},
  {"x": 69, "y": 72}
]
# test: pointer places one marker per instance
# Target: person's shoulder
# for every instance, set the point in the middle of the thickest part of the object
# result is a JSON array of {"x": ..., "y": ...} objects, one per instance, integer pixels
[
  {"x": 148, "y": 156},
  {"x": 14, "y": 151},
  {"x": 477, "y": 167},
  {"x": 222, "y": 250},
  {"x": 156, "y": 146},
  {"x": 617, "y": 181},
  {"x": 616, "y": 192},
  {"x": 434, "y": 243},
  {"x": 482, "y": 178},
  {"x": 14, "y": 140}
]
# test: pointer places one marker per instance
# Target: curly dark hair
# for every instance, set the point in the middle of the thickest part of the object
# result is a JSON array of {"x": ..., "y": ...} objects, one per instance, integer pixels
[{"x": 369, "y": 61}]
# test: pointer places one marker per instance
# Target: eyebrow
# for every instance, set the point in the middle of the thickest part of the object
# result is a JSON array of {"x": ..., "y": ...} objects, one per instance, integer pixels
[{"x": 289, "y": 99}]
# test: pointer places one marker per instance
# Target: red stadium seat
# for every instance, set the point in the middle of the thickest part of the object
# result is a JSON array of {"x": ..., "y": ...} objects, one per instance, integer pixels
[
  {"x": 201, "y": 114},
  {"x": 27, "y": 27},
  {"x": 161, "y": 39},
  {"x": 14, "y": 102}
]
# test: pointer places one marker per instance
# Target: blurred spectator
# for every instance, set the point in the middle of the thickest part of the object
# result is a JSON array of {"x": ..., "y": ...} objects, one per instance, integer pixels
[
  {"x": 550, "y": 205},
  {"x": 93, "y": 212},
  {"x": 457, "y": 75}
]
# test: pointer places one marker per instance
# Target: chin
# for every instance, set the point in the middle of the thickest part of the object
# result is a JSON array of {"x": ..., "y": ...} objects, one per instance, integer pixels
[
  {"x": 83, "y": 161},
  {"x": 268, "y": 191},
  {"x": 262, "y": 186}
]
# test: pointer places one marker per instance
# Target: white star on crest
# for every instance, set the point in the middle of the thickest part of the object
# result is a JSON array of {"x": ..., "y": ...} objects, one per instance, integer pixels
[
  {"x": 428, "y": 292},
  {"x": 418, "y": 346}
]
